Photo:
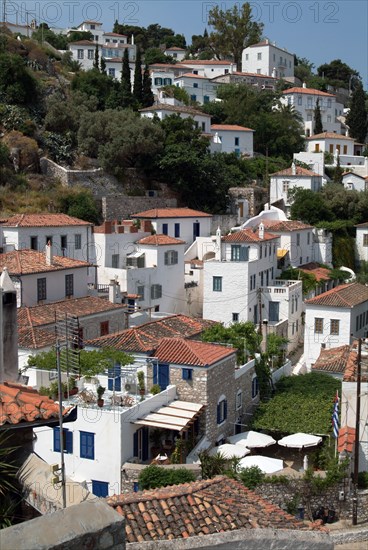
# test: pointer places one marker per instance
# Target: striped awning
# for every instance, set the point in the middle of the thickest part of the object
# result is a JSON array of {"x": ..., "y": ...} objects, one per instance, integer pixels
[{"x": 177, "y": 415}]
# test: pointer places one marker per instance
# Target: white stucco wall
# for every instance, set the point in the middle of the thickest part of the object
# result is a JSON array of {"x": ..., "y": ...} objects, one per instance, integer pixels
[
  {"x": 331, "y": 145},
  {"x": 272, "y": 58},
  {"x": 186, "y": 227},
  {"x": 348, "y": 417},
  {"x": 228, "y": 137},
  {"x": 313, "y": 183},
  {"x": 361, "y": 250}
]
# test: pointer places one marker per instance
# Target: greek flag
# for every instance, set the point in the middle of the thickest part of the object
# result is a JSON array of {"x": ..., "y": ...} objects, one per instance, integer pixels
[{"x": 335, "y": 417}]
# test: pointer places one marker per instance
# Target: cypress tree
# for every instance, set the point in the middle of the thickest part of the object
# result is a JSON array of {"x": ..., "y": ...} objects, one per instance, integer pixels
[
  {"x": 126, "y": 87},
  {"x": 318, "y": 128},
  {"x": 97, "y": 58},
  {"x": 338, "y": 172},
  {"x": 147, "y": 94},
  {"x": 103, "y": 65},
  {"x": 357, "y": 116},
  {"x": 137, "y": 85}
]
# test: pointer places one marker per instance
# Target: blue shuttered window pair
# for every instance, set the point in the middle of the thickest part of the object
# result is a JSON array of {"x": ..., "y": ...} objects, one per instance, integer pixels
[{"x": 67, "y": 441}]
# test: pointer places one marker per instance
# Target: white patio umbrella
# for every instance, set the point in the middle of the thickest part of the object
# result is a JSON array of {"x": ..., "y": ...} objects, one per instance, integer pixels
[
  {"x": 300, "y": 441},
  {"x": 229, "y": 451},
  {"x": 252, "y": 440},
  {"x": 264, "y": 463}
]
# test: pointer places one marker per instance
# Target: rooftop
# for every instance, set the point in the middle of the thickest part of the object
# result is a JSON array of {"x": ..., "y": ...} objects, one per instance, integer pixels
[
  {"x": 329, "y": 135},
  {"x": 346, "y": 439},
  {"x": 333, "y": 360},
  {"x": 196, "y": 509},
  {"x": 190, "y": 352},
  {"x": 160, "y": 240},
  {"x": 230, "y": 127},
  {"x": 247, "y": 236},
  {"x": 282, "y": 226},
  {"x": 146, "y": 337},
  {"x": 309, "y": 91},
  {"x": 347, "y": 296},
  {"x": 42, "y": 220},
  {"x": 320, "y": 273},
  {"x": 27, "y": 262},
  {"x": 171, "y": 213},
  {"x": 299, "y": 171}
]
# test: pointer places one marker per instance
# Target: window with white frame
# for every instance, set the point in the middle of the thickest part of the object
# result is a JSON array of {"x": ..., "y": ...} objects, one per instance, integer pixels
[
  {"x": 156, "y": 292},
  {"x": 80, "y": 54},
  {"x": 171, "y": 257},
  {"x": 78, "y": 241},
  {"x": 91, "y": 54},
  {"x": 259, "y": 56},
  {"x": 335, "y": 327},
  {"x": 217, "y": 284},
  {"x": 285, "y": 186},
  {"x": 140, "y": 292}
]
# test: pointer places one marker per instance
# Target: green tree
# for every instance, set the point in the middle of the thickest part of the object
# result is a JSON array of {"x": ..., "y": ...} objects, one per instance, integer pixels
[
  {"x": 147, "y": 94},
  {"x": 103, "y": 65},
  {"x": 234, "y": 30},
  {"x": 357, "y": 118},
  {"x": 138, "y": 83},
  {"x": 76, "y": 36},
  {"x": 96, "y": 62},
  {"x": 338, "y": 172},
  {"x": 44, "y": 34},
  {"x": 242, "y": 336},
  {"x": 79, "y": 204},
  {"x": 126, "y": 86},
  {"x": 318, "y": 127},
  {"x": 98, "y": 85},
  {"x": 17, "y": 84},
  {"x": 309, "y": 207},
  {"x": 337, "y": 73},
  {"x": 303, "y": 68},
  {"x": 154, "y": 55}
]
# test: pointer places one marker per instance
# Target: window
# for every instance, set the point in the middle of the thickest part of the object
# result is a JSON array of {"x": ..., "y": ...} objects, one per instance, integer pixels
[
  {"x": 195, "y": 72},
  {"x": 236, "y": 142},
  {"x": 115, "y": 260},
  {"x": 158, "y": 81},
  {"x": 34, "y": 243},
  {"x": 187, "y": 374},
  {"x": 196, "y": 229},
  {"x": 193, "y": 97},
  {"x": 67, "y": 441},
  {"x": 318, "y": 325},
  {"x": 238, "y": 400},
  {"x": 239, "y": 253},
  {"x": 90, "y": 54},
  {"x": 335, "y": 326},
  {"x": 165, "y": 228},
  {"x": 255, "y": 386},
  {"x": 235, "y": 317},
  {"x": 114, "y": 378},
  {"x": 217, "y": 284},
  {"x": 259, "y": 56},
  {"x": 93, "y": 27},
  {"x": 41, "y": 289},
  {"x": 171, "y": 257},
  {"x": 80, "y": 54},
  {"x": 100, "y": 488},
  {"x": 345, "y": 150},
  {"x": 167, "y": 81},
  {"x": 48, "y": 240},
  {"x": 221, "y": 411},
  {"x": 206, "y": 99},
  {"x": 299, "y": 100},
  {"x": 63, "y": 243},
  {"x": 112, "y": 72},
  {"x": 329, "y": 103},
  {"x": 203, "y": 126},
  {"x": 78, "y": 241},
  {"x": 298, "y": 239},
  {"x": 308, "y": 238},
  {"x": 69, "y": 285},
  {"x": 329, "y": 118},
  {"x": 177, "y": 230},
  {"x": 247, "y": 57},
  {"x": 195, "y": 84},
  {"x": 365, "y": 239},
  {"x": 140, "y": 292},
  {"x": 136, "y": 259},
  {"x": 156, "y": 292},
  {"x": 259, "y": 71},
  {"x": 104, "y": 328},
  {"x": 87, "y": 445}
]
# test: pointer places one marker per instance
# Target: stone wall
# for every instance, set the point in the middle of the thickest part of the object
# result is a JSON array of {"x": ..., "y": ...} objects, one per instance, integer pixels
[
  {"x": 119, "y": 207},
  {"x": 92, "y": 524},
  {"x": 225, "y": 222},
  {"x": 130, "y": 473},
  {"x": 256, "y": 196}
]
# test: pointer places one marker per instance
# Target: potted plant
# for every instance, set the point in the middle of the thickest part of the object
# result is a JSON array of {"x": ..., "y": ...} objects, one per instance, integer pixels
[
  {"x": 141, "y": 384},
  {"x": 155, "y": 389},
  {"x": 100, "y": 392}
]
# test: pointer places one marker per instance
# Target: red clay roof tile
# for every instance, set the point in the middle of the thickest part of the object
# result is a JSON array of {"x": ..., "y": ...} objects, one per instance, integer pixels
[
  {"x": 190, "y": 352},
  {"x": 230, "y": 127},
  {"x": 160, "y": 240},
  {"x": 43, "y": 220},
  {"x": 172, "y": 213},
  {"x": 299, "y": 171},
  {"x": 26, "y": 262},
  {"x": 247, "y": 236},
  {"x": 348, "y": 296}
]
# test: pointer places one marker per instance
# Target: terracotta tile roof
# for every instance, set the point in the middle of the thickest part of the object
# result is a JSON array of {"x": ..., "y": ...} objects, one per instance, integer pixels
[
  {"x": 168, "y": 66},
  {"x": 258, "y": 75},
  {"x": 114, "y": 34},
  {"x": 346, "y": 439},
  {"x": 207, "y": 62},
  {"x": 347, "y": 295},
  {"x": 80, "y": 307},
  {"x": 26, "y": 262},
  {"x": 329, "y": 135},
  {"x": 351, "y": 365},
  {"x": 43, "y": 220},
  {"x": 172, "y": 213},
  {"x": 175, "y": 49},
  {"x": 365, "y": 224},
  {"x": 247, "y": 236},
  {"x": 192, "y": 75},
  {"x": 190, "y": 352},
  {"x": 196, "y": 509},
  {"x": 333, "y": 359},
  {"x": 35, "y": 338},
  {"x": 174, "y": 109},
  {"x": 309, "y": 91},
  {"x": 84, "y": 43},
  {"x": 146, "y": 337},
  {"x": 160, "y": 240},
  {"x": 320, "y": 273},
  {"x": 299, "y": 171},
  {"x": 21, "y": 405},
  {"x": 285, "y": 225},
  {"x": 230, "y": 127}
]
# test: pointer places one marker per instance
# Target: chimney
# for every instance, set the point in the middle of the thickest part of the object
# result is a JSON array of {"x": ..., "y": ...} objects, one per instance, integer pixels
[
  {"x": 218, "y": 245},
  {"x": 304, "y": 85},
  {"x": 132, "y": 39},
  {"x": 114, "y": 292},
  {"x": 273, "y": 72},
  {"x": 293, "y": 168},
  {"x": 261, "y": 231},
  {"x": 48, "y": 251},
  {"x": 8, "y": 329},
  {"x": 264, "y": 335}
]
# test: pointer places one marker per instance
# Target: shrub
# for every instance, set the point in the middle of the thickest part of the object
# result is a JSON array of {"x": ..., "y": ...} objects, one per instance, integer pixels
[
  {"x": 363, "y": 480},
  {"x": 155, "y": 476},
  {"x": 251, "y": 477},
  {"x": 155, "y": 389}
]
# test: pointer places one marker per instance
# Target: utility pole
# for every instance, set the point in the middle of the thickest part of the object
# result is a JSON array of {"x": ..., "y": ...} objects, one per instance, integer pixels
[
  {"x": 62, "y": 462},
  {"x": 357, "y": 426}
]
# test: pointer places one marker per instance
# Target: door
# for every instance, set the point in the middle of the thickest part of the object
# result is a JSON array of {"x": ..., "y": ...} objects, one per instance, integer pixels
[
  {"x": 196, "y": 230},
  {"x": 161, "y": 375},
  {"x": 140, "y": 444},
  {"x": 273, "y": 311}
]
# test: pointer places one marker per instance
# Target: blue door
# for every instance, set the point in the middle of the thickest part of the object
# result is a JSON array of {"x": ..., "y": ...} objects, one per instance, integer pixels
[
  {"x": 196, "y": 230},
  {"x": 100, "y": 488},
  {"x": 161, "y": 375},
  {"x": 140, "y": 444}
]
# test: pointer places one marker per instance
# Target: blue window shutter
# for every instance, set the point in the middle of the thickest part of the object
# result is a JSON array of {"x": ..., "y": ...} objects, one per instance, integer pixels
[
  {"x": 218, "y": 414},
  {"x": 135, "y": 444},
  {"x": 185, "y": 374},
  {"x": 68, "y": 441},
  {"x": 57, "y": 440},
  {"x": 225, "y": 410},
  {"x": 145, "y": 444},
  {"x": 118, "y": 383},
  {"x": 110, "y": 384},
  {"x": 165, "y": 228},
  {"x": 100, "y": 488},
  {"x": 83, "y": 444}
]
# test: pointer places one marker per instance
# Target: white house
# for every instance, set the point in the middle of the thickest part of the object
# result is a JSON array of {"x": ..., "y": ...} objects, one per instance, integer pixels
[
  {"x": 164, "y": 74},
  {"x": 162, "y": 110},
  {"x": 332, "y": 143},
  {"x": 304, "y": 101},
  {"x": 199, "y": 88},
  {"x": 282, "y": 182},
  {"x": 182, "y": 223},
  {"x": 355, "y": 182},
  {"x": 234, "y": 139},
  {"x": 268, "y": 59},
  {"x": 176, "y": 53},
  {"x": 333, "y": 317},
  {"x": 94, "y": 27},
  {"x": 209, "y": 68},
  {"x": 361, "y": 242},
  {"x": 41, "y": 277},
  {"x": 315, "y": 161}
]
